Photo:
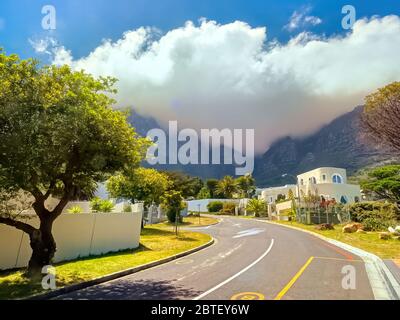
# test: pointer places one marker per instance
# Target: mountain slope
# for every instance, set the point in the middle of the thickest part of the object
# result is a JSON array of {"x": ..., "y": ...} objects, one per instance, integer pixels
[{"x": 336, "y": 144}]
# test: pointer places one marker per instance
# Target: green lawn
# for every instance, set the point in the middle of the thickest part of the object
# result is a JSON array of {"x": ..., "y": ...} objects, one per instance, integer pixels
[
  {"x": 157, "y": 242},
  {"x": 385, "y": 249},
  {"x": 193, "y": 221}
]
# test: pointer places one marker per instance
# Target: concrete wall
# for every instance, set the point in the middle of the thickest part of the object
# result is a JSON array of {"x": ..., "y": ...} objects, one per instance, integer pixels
[
  {"x": 77, "y": 235},
  {"x": 335, "y": 191},
  {"x": 281, "y": 207}
]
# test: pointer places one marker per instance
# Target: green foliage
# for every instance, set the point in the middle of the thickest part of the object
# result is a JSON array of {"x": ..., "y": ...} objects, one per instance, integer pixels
[
  {"x": 141, "y": 184},
  {"x": 246, "y": 186},
  {"x": 204, "y": 193},
  {"x": 374, "y": 215},
  {"x": 257, "y": 206},
  {"x": 100, "y": 205},
  {"x": 75, "y": 210},
  {"x": 228, "y": 208},
  {"x": 212, "y": 185},
  {"x": 215, "y": 206},
  {"x": 384, "y": 182},
  {"x": 127, "y": 208},
  {"x": 172, "y": 203},
  {"x": 187, "y": 185},
  {"x": 59, "y": 133},
  {"x": 227, "y": 187}
]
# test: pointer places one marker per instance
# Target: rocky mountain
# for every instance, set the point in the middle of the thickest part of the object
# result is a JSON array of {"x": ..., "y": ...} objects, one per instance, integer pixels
[{"x": 337, "y": 144}]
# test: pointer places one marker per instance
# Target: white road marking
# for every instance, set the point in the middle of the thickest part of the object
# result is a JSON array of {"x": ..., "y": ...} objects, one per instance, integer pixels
[
  {"x": 237, "y": 274},
  {"x": 249, "y": 232}
]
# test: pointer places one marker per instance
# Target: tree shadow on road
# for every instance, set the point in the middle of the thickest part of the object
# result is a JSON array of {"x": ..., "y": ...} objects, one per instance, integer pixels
[{"x": 133, "y": 290}]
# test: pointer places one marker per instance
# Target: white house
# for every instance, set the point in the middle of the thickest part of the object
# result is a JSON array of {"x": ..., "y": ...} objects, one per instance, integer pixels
[{"x": 329, "y": 183}]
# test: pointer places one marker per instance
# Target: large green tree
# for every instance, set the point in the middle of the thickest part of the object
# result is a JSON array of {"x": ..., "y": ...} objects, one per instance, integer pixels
[
  {"x": 381, "y": 116},
  {"x": 59, "y": 135},
  {"x": 257, "y": 206},
  {"x": 384, "y": 183},
  {"x": 141, "y": 184},
  {"x": 188, "y": 186}
]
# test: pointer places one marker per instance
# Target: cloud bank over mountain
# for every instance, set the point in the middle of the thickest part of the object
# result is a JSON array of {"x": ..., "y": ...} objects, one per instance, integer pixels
[{"x": 209, "y": 75}]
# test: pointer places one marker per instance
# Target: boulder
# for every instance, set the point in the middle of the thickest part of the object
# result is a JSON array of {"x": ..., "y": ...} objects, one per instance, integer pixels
[
  {"x": 397, "y": 228},
  {"x": 352, "y": 227},
  {"x": 385, "y": 235},
  {"x": 361, "y": 231},
  {"x": 325, "y": 226}
]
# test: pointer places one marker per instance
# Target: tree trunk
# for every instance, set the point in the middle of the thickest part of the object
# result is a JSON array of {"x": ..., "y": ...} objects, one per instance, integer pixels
[{"x": 43, "y": 248}]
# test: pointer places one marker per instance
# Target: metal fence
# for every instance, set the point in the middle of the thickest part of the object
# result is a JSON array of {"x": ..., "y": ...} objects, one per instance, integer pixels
[{"x": 319, "y": 215}]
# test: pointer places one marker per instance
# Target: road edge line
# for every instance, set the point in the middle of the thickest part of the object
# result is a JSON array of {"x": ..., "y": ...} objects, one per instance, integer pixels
[
  {"x": 383, "y": 283},
  {"x": 116, "y": 275}
]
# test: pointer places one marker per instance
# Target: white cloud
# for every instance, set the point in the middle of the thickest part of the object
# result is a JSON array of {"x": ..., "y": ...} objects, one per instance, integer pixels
[
  {"x": 302, "y": 19},
  {"x": 220, "y": 76}
]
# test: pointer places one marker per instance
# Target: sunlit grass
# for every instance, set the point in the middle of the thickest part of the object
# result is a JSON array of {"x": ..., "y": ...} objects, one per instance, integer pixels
[
  {"x": 385, "y": 249},
  {"x": 157, "y": 242}
]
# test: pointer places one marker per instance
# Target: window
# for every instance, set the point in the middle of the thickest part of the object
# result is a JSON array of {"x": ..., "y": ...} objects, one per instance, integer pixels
[
  {"x": 344, "y": 200},
  {"x": 301, "y": 181},
  {"x": 337, "y": 178},
  {"x": 324, "y": 177},
  {"x": 313, "y": 180},
  {"x": 356, "y": 199}
]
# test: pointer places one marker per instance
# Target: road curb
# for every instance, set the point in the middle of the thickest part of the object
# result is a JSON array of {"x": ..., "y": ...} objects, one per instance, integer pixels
[
  {"x": 115, "y": 275},
  {"x": 384, "y": 285}
]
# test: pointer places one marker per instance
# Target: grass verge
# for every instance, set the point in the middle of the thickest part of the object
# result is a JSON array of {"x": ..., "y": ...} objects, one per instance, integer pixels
[
  {"x": 193, "y": 221},
  {"x": 385, "y": 249},
  {"x": 156, "y": 242}
]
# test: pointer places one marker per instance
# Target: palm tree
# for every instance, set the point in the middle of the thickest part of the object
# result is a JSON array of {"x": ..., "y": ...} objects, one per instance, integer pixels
[
  {"x": 227, "y": 186},
  {"x": 257, "y": 206},
  {"x": 246, "y": 185}
]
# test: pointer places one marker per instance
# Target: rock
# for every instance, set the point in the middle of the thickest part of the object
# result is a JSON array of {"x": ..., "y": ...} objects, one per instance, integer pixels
[
  {"x": 397, "y": 228},
  {"x": 396, "y": 238},
  {"x": 361, "y": 231},
  {"x": 325, "y": 226},
  {"x": 391, "y": 230},
  {"x": 385, "y": 235},
  {"x": 352, "y": 227}
]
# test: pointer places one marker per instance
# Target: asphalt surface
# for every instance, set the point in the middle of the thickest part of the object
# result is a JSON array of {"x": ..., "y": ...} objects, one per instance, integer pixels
[{"x": 249, "y": 260}]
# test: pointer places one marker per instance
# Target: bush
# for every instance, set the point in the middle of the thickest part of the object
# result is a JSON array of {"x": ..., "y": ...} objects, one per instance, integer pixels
[
  {"x": 171, "y": 215},
  {"x": 374, "y": 215},
  {"x": 127, "y": 208},
  {"x": 100, "y": 205},
  {"x": 75, "y": 210},
  {"x": 228, "y": 208},
  {"x": 215, "y": 206}
]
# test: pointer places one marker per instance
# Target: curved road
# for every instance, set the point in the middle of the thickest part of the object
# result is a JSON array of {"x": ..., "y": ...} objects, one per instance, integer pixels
[{"x": 250, "y": 259}]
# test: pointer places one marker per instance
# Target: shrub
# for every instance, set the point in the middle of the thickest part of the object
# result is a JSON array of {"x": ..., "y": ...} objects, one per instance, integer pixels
[
  {"x": 228, "y": 208},
  {"x": 75, "y": 210},
  {"x": 100, "y": 205},
  {"x": 127, "y": 208},
  {"x": 215, "y": 206},
  {"x": 374, "y": 215}
]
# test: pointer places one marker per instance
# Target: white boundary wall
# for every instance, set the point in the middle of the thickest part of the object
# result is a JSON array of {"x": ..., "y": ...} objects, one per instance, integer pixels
[{"x": 76, "y": 235}]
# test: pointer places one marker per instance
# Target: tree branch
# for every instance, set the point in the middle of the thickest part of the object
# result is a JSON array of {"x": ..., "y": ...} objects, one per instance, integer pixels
[{"x": 27, "y": 228}]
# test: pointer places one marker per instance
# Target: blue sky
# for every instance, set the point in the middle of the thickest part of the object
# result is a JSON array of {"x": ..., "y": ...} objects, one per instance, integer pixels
[
  {"x": 225, "y": 74},
  {"x": 81, "y": 25}
]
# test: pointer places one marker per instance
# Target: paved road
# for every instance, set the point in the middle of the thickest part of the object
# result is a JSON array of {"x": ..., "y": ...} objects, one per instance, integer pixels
[{"x": 250, "y": 259}]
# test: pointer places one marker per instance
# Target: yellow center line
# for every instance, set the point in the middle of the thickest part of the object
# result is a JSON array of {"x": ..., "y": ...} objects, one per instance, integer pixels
[{"x": 294, "y": 279}]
